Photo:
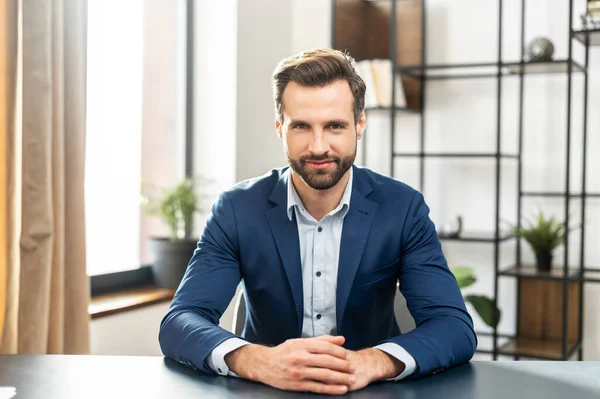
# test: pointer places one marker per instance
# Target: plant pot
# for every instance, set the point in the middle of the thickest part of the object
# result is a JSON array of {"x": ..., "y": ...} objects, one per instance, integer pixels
[
  {"x": 544, "y": 261},
  {"x": 170, "y": 260}
]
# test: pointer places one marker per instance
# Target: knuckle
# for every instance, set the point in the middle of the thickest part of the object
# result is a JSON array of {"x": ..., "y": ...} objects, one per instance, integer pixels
[
  {"x": 300, "y": 358},
  {"x": 295, "y": 373},
  {"x": 295, "y": 360}
]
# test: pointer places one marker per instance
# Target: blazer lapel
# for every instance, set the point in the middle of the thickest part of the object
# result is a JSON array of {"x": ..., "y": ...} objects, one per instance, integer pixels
[
  {"x": 357, "y": 225},
  {"x": 285, "y": 234}
]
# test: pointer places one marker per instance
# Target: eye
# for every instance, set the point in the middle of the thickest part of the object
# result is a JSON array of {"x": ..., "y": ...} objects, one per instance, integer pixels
[
  {"x": 300, "y": 126},
  {"x": 335, "y": 126}
]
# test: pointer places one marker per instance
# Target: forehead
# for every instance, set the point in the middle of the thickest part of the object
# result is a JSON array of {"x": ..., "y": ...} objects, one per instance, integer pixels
[{"x": 332, "y": 100}]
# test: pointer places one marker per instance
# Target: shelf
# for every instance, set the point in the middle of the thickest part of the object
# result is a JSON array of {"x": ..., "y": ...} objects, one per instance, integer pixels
[
  {"x": 556, "y": 273},
  {"x": 593, "y": 35},
  {"x": 450, "y": 71},
  {"x": 453, "y": 155},
  {"x": 488, "y": 70},
  {"x": 592, "y": 195},
  {"x": 483, "y": 237},
  {"x": 551, "y": 194},
  {"x": 591, "y": 275},
  {"x": 389, "y": 109},
  {"x": 533, "y": 68},
  {"x": 535, "y": 348}
]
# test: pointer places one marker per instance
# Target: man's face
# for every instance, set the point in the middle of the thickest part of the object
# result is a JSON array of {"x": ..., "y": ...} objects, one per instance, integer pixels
[{"x": 319, "y": 133}]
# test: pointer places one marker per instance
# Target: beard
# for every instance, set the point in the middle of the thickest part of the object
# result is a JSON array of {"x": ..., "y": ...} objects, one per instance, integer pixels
[{"x": 322, "y": 179}]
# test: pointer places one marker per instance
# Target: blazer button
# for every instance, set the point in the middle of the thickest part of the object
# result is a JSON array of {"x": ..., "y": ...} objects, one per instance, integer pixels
[
  {"x": 320, "y": 229},
  {"x": 318, "y": 317}
]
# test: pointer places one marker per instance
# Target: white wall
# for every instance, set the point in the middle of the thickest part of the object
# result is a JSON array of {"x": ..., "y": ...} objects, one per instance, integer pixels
[{"x": 264, "y": 38}]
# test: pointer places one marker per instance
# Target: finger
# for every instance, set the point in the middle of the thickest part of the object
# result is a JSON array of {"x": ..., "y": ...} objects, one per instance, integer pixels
[
  {"x": 327, "y": 348},
  {"x": 326, "y": 376},
  {"x": 319, "y": 387},
  {"x": 330, "y": 362},
  {"x": 337, "y": 340}
]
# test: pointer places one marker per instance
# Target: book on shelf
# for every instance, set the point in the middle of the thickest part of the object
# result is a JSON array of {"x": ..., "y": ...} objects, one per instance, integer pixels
[{"x": 377, "y": 75}]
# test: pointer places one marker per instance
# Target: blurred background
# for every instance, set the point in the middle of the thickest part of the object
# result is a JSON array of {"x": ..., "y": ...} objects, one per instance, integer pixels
[{"x": 123, "y": 120}]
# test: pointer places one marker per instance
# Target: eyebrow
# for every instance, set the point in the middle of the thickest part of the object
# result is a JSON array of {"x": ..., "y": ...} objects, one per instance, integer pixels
[{"x": 331, "y": 122}]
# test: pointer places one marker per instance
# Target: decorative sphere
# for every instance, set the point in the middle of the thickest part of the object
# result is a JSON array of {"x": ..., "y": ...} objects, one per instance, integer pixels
[{"x": 540, "y": 49}]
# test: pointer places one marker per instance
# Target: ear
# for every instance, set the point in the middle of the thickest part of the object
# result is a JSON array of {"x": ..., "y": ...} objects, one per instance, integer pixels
[
  {"x": 278, "y": 127},
  {"x": 361, "y": 125}
]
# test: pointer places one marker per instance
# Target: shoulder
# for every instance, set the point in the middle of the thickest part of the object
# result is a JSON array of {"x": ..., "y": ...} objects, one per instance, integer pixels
[
  {"x": 384, "y": 188},
  {"x": 255, "y": 188}
]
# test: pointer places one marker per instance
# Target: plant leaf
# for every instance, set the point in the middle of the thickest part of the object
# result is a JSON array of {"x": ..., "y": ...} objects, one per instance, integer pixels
[
  {"x": 464, "y": 276},
  {"x": 484, "y": 306}
]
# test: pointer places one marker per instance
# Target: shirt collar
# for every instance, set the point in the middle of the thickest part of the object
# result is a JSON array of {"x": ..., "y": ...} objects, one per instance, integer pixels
[{"x": 294, "y": 200}]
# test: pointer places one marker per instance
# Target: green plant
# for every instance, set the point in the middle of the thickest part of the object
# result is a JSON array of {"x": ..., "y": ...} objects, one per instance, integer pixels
[
  {"x": 544, "y": 236},
  {"x": 176, "y": 206},
  {"x": 483, "y": 305}
]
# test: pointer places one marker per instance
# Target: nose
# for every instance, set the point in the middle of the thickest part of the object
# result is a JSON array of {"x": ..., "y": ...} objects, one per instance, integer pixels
[{"x": 319, "y": 144}]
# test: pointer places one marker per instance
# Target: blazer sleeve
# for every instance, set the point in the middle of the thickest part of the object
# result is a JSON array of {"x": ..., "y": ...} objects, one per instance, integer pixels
[
  {"x": 444, "y": 334},
  {"x": 189, "y": 331}
]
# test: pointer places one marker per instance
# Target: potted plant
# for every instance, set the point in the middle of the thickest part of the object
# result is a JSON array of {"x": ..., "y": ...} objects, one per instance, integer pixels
[
  {"x": 484, "y": 306},
  {"x": 543, "y": 237},
  {"x": 176, "y": 206}
]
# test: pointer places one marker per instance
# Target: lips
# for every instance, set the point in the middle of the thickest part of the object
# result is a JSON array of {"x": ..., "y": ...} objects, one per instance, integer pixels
[{"x": 320, "y": 164}]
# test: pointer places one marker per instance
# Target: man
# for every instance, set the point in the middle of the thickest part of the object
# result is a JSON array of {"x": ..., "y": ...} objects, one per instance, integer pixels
[{"x": 319, "y": 246}]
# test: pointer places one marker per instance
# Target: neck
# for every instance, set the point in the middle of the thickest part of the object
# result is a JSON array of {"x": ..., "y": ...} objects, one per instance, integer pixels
[{"x": 320, "y": 202}]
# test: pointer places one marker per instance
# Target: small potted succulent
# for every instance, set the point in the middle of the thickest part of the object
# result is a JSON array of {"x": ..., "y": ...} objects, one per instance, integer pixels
[
  {"x": 543, "y": 237},
  {"x": 484, "y": 306},
  {"x": 176, "y": 206}
]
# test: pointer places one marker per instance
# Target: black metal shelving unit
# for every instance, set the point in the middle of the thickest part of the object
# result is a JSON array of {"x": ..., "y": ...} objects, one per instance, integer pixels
[{"x": 499, "y": 70}]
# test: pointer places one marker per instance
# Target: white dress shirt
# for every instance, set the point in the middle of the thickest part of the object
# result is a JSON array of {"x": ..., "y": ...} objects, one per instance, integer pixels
[{"x": 319, "y": 252}]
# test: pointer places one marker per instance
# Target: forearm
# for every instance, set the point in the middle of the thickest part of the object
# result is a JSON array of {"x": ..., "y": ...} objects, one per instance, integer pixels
[
  {"x": 439, "y": 343},
  {"x": 188, "y": 337}
]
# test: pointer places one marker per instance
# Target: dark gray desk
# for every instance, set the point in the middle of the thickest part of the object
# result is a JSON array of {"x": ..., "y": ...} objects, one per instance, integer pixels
[{"x": 154, "y": 377}]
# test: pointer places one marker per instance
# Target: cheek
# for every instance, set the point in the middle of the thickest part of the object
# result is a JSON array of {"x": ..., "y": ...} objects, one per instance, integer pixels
[
  {"x": 290, "y": 145},
  {"x": 343, "y": 144}
]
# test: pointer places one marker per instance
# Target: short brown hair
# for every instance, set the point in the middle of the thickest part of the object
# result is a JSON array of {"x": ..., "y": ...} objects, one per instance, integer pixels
[{"x": 318, "y": 67}]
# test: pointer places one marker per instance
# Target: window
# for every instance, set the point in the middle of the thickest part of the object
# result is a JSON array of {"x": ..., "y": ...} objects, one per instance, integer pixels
[{"x": 114, "y": 134}]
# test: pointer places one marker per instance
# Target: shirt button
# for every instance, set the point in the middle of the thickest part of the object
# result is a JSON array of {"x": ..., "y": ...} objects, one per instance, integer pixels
[
  {"x": 320, "y": 229},
  {"x": 318, "y": 274},
  {"x": 318, "y": 317}
]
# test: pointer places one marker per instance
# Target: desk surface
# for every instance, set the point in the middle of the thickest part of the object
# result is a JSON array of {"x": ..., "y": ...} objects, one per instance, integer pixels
[{"x": 155, "y": 377}]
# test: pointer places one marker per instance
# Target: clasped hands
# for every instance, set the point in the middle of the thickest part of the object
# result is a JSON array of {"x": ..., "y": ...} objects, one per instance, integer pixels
[{"x": 319, "y": 365}]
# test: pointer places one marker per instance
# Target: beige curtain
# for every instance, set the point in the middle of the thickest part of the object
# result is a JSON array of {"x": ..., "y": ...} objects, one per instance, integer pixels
[
  {"x": 3, "y": 158},
  {"x": 47, "y": 288}
]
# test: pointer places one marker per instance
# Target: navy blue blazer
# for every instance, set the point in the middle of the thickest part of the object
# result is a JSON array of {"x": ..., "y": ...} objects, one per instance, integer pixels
[{"x": 387, "y": 237}]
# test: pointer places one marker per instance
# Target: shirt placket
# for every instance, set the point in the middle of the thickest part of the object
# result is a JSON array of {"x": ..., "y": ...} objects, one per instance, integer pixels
[{"x": 318, "y": 279}]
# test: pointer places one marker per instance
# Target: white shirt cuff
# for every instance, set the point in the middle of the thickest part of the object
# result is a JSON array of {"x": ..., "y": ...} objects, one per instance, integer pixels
[
  {"x": 216, "y": 359},
  {"x": 401, "y": 354}
]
